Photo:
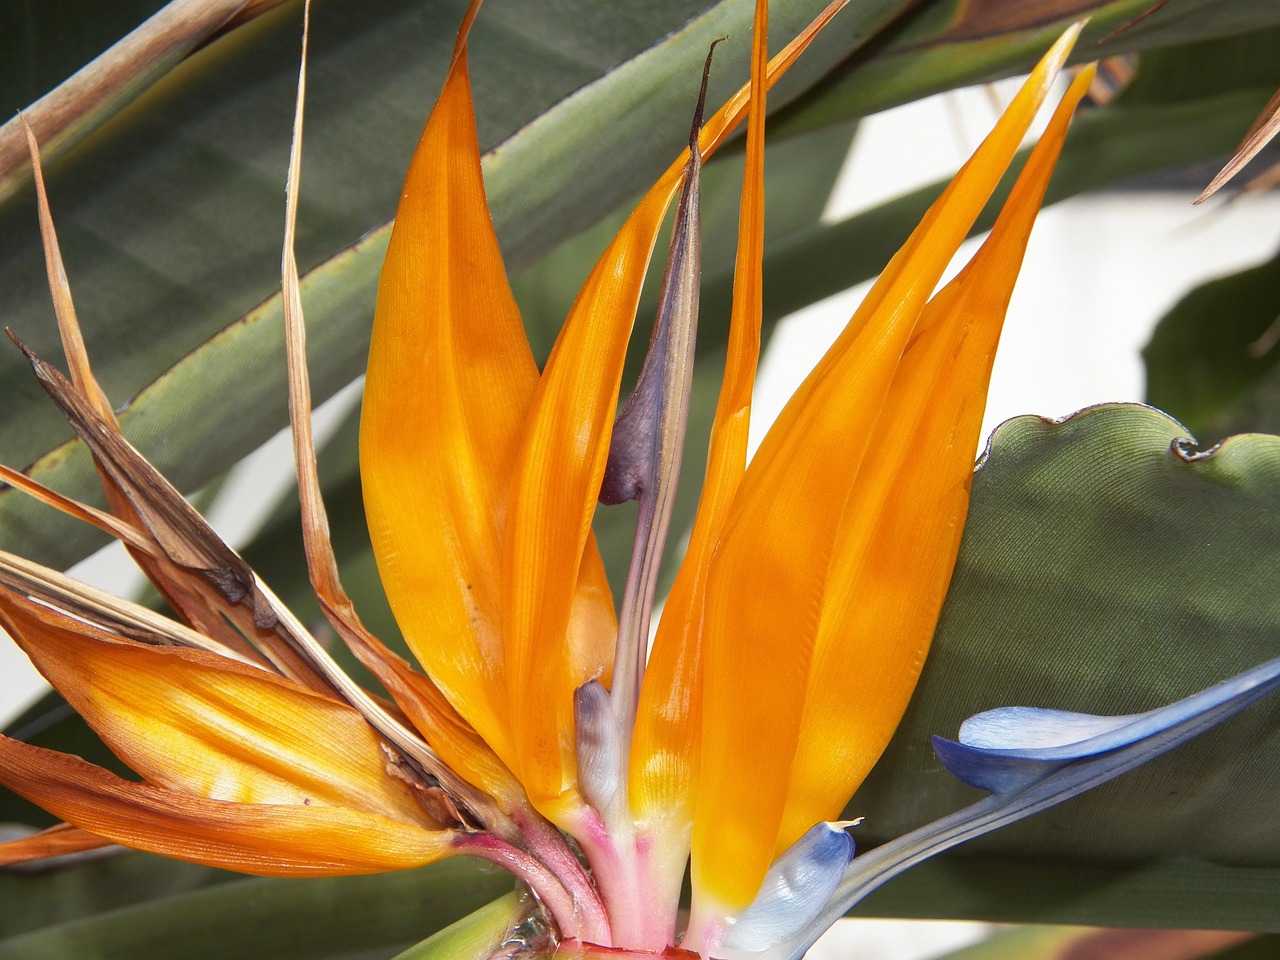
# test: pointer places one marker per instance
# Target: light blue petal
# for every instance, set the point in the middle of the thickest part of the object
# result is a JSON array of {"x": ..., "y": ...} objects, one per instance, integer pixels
[
  {"x": 796, "y": 888},
  {"x": 599, "y": 753},
  {"x": 1008, "y": 749},
  {"x": 1031, "y": 760}
]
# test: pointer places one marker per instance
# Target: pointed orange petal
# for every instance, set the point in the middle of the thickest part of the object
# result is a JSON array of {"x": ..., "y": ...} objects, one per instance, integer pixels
[
  {"x": 767, "y": 580},
  {"x": 559, "y": 472},
  {"x": 198, "y": 723},
  {"x": 666, "y": 737},
  {"x": 895, "y": 552},
  {"x": 267, "y": 839},
  {"x": 450, "y": 377},
  {"x": 552, "y": 500}
]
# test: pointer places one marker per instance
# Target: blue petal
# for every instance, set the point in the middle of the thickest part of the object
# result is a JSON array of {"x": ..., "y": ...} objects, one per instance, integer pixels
[
  {"x": 796, "y": 888},
  {"x": 1009, "y": 749},
  {"x": 599, "y": 752},
  {"x": 1031, "y": 759}
]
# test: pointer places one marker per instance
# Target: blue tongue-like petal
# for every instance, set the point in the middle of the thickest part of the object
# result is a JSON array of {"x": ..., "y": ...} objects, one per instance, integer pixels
[
  {"x": 1008, "y": 749},
  {"x": 1029, "y": 760},
  {"x": 796, "y": 888}
]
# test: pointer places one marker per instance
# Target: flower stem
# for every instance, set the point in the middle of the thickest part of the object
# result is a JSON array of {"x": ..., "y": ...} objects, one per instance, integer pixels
[{"x": 571, "y": 921}]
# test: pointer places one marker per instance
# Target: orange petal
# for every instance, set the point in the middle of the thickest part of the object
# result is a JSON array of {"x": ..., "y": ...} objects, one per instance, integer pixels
[
  {"x": 450, "y": 373},
  {"x": 467, "y": 760},
  {"x": 195, "y": 722},
  {"x": 451, "y": 378},
  {"x": 549, "y": 510},
  {"x": 666, "y": 737},
  {"x": 57, "y": 841},
  {"x": 268, "y": 839},
  {"x": 767, "y": 581},
  {"x": 448, "y": 734},
  {"x": 895, "y": 552},
  {"x": 559, "y": 470}
]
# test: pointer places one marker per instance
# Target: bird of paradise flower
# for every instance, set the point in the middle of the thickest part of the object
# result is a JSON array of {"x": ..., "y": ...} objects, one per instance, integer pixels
[{"x": 540, "y": 736}]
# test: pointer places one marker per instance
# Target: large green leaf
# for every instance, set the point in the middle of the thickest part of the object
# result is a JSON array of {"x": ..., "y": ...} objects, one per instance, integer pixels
[
  {"x": 806, "y": 262},
  {"x": 229, "y": 393},
  {"x": 171, "y": 215},
  {"x": 39, "y": 898},
  {"x": 949, "y": 43},
  {"x": 1213, "y": 360},
  {"x": 1108, "y": 566},
  {"x": 341, "y": 918}
]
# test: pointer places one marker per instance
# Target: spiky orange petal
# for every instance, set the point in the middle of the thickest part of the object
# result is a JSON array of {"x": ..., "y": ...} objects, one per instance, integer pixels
[
  {"x": 198, "y": 723},
  {"x": 267, "y": 839},
  {"x": 769, "y": 577},
  {"x": 895, "y": 551},
  {"x": 666, "y": 737}
]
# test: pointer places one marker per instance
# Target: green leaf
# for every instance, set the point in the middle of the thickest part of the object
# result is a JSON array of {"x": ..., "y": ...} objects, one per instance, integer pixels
[
  {"x": 476, "y": 936},
  {"x": 808, "y": 260},
  {"x": 1213, "y": 360},
  {"x": 161, "y": 262},
  {"x": 954, "y": 43},
  {"x": 83, "y": 101},
  {"x": 337, "y": 918},
  {"x": 41, "y": 898},
  {"x": 223, "y": 398},
  {"x": 1107, "y": 567}
]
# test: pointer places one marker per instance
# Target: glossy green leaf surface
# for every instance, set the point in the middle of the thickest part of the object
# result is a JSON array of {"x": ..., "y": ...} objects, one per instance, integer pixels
[
  {"x": 1108, "y": 566},
  {"x": 170, "y": 215}
]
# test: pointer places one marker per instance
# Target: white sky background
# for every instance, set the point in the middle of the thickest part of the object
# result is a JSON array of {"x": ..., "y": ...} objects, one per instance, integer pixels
[{"x": 1098, "y": 274}]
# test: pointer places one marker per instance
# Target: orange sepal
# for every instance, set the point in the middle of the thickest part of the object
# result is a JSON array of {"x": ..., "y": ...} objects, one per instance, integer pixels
[
  {"x": 895, "y": 552},
  {"x": 449, "y": 375},
  {"x": 565, "y": 448},
  {"x": 198, "y": 723},
  {"x": 768, "y": 581},
  {"x": 266, "y": 839},
  {"x": 450, "y": 379},
  {"x": 56, "y": 841}
]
